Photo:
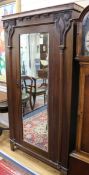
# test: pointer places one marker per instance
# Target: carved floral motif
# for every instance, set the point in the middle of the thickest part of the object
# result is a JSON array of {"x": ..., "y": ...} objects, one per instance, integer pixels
[
  {"x": 9, "y": 26},
  {"x": 63, "y": 24}
]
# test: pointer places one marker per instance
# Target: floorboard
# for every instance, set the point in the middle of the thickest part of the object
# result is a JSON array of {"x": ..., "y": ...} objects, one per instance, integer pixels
[{"x": 26, "y": 159}]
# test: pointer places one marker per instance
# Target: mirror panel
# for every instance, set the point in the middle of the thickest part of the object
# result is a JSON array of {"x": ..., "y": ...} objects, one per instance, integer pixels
[{"x": 34, "y": 58}]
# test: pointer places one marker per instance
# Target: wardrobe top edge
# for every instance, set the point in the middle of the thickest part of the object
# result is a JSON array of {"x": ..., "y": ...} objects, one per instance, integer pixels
[{"x": 53, "y": 9}]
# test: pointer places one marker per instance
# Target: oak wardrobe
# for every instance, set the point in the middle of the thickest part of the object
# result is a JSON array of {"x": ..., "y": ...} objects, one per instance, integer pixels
[{"x": 41, "y": 75}]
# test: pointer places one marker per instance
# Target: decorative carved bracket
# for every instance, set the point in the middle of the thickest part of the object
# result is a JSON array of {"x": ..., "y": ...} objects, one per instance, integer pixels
[
  {"x": 63, "y": 23},
  {"x": 9, "y": 26}
]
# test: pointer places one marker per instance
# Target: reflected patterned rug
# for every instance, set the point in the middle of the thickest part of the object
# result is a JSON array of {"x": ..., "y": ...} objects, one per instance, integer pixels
[
  {"x": 9, "y": 166},
  {"x": 35, "y": 130}
]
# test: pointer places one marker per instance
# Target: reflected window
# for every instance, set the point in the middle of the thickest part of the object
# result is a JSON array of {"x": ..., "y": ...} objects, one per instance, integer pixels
[{"x": 34, "y": 53}]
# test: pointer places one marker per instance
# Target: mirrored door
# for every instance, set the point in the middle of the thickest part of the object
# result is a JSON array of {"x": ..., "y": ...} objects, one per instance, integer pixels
[{"x": 34, "y": 60}]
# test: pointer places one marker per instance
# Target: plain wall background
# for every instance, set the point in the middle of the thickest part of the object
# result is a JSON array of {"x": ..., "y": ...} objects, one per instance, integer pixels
[{"x": 35, "y": 4}]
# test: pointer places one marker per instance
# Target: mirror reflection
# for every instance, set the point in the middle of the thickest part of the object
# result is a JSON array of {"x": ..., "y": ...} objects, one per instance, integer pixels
[{"x": 34, "y": 58}]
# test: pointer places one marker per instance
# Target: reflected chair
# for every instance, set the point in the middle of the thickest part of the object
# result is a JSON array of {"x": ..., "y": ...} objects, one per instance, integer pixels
[
  {"x": 25, "y": 94},
  {"x": 3, "y": 109},
  {"x": 30, "y": 85},
  {"x": 43, "y": 74}
]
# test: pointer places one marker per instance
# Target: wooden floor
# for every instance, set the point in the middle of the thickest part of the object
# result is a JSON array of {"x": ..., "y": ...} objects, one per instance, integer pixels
[{"x": 24, "y": 159}]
